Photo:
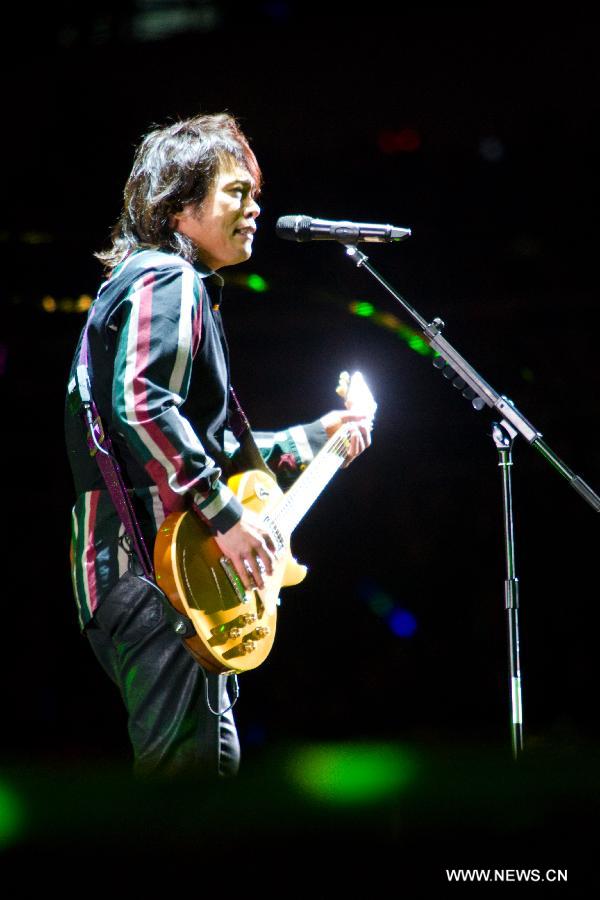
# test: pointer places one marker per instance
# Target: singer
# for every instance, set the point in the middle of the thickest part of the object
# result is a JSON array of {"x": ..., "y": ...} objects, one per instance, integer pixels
[{"x": 158, "y": 366}]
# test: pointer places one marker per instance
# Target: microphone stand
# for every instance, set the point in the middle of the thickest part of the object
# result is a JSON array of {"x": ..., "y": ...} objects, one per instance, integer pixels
[{"x": 511, "y": 423}]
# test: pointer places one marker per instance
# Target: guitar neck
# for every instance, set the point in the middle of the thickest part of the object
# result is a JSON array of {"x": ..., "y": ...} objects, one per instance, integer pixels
[{"x": 295, "y": 503}]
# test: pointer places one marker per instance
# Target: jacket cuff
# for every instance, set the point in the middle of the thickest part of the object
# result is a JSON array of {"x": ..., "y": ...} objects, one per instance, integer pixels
[
  {"x": 220, "y": 508},
  {"x": 316, "y": 437}
]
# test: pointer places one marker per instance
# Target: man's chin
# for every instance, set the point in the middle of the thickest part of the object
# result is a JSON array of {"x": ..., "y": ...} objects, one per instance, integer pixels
[
  {"x": 241, "y": 257},
  {"x": 235, "y": 262},
  {"x": 247, "y": 251}
]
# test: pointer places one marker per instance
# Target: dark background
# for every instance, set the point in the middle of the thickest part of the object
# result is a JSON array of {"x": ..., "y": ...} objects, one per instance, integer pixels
[{"x": 479, "y": 132}]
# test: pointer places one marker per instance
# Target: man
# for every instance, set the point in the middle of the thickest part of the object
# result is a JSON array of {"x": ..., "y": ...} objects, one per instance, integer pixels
[{"x": 158, "y": 364}]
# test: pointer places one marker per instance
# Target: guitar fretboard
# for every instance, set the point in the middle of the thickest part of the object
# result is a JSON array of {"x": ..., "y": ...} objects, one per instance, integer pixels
[{"x": 296, "y": 502}]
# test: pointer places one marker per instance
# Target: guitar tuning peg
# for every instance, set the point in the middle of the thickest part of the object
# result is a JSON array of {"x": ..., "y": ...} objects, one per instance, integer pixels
[{"x": 343, "y": 384}]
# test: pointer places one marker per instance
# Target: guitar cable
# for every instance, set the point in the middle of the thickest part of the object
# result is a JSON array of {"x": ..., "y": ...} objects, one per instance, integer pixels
[{"x": 236, "y": 694}]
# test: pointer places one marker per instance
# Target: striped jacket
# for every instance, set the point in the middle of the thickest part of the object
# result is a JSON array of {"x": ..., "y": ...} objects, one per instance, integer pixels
[{"x": 159, "y": 371}]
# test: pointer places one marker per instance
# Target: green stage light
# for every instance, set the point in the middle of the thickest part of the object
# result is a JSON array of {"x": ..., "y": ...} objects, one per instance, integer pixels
[
  {"x": 392, "y": 323},
  {"x": 362, "y": 308},
  {"x": 12, "y": 816},
  {"x": 417, "y": 343},
  {"x": 352, "y": 774},
  {"x": 257, "y": 283}
]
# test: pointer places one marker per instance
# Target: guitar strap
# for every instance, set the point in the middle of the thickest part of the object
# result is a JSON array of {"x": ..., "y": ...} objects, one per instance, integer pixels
[
  {"x": 100, "y": 447},
  {"x": 250, "y": 455}
]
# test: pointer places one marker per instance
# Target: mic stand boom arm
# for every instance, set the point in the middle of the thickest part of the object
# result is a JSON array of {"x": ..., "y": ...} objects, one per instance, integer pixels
[{"x": 475, "y": 388}]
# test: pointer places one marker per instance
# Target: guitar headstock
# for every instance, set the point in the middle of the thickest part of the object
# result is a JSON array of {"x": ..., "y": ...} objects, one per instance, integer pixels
[{"x": 356, "y": 395}]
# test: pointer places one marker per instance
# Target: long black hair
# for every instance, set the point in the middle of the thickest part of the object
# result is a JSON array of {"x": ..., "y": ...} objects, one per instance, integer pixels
[{"x": 175, "y": 165}]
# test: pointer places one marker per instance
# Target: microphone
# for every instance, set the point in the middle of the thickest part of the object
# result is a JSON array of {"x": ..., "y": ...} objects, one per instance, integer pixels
[{"x": 304, "y": 228}]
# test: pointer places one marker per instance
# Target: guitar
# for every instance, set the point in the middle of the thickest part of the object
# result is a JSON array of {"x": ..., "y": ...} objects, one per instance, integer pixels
[{"x": 235, "y": 628}]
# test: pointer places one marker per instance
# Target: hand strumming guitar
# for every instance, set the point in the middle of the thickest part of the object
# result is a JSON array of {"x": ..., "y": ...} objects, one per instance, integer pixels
[{"x": 248, "y": 546}]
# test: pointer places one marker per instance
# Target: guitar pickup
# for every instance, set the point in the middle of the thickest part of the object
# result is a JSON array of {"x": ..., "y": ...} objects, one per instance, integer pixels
[{"x": 275, "y": 533}]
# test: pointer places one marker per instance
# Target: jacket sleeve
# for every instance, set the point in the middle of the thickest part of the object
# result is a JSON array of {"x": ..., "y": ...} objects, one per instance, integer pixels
[
  {"x": 286, "y": 452},
  {"x": 159, "y": 333}
]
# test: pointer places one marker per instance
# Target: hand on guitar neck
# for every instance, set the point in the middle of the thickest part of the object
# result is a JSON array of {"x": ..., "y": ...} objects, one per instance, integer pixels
[
  {"x": 359, "y": 412},
  {"x": 360, "y": 434}
]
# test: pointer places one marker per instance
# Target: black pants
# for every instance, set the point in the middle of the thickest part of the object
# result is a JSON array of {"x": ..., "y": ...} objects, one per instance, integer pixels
[{"x": 170, "y": 727}]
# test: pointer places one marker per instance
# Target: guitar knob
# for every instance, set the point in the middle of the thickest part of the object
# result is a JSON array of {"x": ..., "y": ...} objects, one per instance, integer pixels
[{"x": 262, "y": 632}]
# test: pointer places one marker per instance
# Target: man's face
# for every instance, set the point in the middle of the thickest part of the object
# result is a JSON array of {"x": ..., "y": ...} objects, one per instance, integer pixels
[{"x": 223, "y": 227}]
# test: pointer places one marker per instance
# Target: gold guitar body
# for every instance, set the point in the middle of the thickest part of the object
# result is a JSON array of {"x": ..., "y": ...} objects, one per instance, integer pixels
[{"x": 235, "y": 629}]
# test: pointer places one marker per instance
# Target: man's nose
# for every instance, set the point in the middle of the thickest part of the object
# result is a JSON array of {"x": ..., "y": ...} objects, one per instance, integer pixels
[{"x": 252, "y": 208}]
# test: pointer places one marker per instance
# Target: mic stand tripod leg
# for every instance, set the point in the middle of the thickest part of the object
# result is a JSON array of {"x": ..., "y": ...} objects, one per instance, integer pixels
[{"x": 503, "y": 435}]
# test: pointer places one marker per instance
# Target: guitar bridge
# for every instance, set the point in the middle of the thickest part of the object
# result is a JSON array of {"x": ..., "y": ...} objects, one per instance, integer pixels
[{"x": 234, "y": 579}]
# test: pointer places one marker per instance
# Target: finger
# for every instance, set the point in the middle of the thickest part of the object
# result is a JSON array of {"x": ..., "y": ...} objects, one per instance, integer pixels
[
  {"x": 352, "y": 417},
  {"x": 349, "y": 451},
  {"x": 255, "y": 572},
  {"x": 363, "y": 424},
  {"x": 264, "y": 548},
  {"x": 262, "y": 535},
  {"x": 268, "y": 541},
  {"x": 266, "y": 557},
  {"x": 365, "y": 434},
  {"x": 357, "y": 445},
  {"x": 243, "y": 573}
]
